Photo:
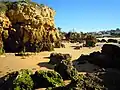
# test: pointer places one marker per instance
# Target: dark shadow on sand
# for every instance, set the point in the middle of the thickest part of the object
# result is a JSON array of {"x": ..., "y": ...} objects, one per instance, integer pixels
[
  {"x": 47, "y": 57},
  {"x": 74, "y": 46},
  {"x": 46, "y": 64}
]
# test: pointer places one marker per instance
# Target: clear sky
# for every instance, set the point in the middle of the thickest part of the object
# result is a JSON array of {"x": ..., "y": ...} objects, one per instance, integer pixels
[{"x": 85, "y": 15}]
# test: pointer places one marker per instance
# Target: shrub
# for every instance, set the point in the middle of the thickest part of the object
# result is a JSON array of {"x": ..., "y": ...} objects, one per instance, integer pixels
[
  {"x": 90, "y": 41},
  {"x": 90, "y": 44}
]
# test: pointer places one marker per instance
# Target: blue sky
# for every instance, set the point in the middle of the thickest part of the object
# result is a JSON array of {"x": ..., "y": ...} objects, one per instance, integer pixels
[{"x": 85, "y": 15}]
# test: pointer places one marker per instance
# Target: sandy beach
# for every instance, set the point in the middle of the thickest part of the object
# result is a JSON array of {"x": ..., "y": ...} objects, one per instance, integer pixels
[{"x": 9, "y": 62}]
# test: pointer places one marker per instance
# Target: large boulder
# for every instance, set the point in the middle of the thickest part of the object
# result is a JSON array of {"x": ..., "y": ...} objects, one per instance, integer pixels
[
  {"x": 44, "y": 79},
  {"x": 66, "y": 70},
  {"x": 108, "y": 57},
  {"x": 111, "y": 50},
  {"x": 56, "y": 58}
]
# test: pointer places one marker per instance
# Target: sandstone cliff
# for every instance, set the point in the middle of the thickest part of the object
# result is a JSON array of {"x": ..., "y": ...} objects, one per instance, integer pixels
[{"x": 27, "y": 24}]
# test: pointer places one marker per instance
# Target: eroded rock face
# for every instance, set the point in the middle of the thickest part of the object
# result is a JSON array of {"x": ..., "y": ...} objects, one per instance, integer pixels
[
  {"x": 28, "y": 24},
  {"x": 4, "y": 26}
]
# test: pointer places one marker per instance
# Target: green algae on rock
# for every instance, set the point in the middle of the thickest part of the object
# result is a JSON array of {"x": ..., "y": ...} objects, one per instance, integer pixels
[
  {"x": 23, "y": 80},
  {"x": 47, "y": 79}
]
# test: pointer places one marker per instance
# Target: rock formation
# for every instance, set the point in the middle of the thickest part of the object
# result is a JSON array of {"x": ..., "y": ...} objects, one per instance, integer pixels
[
  {"x": 43, "y": 79},
  {"x": 56, "y": 58},
  {"x": 28, "y": 25},
  {"x": 24, "y": 79},
  {"x": 109, "y": 57},
  {"x": 66, "y": 70}
]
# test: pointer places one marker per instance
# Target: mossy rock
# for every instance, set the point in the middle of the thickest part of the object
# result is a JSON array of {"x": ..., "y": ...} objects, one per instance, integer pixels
[
  {"x": 17, "y": 80},
  {"x": 66, "y": 70},
  {"x": 44, "y": 79},
  {"x": 23, "y": 80}
]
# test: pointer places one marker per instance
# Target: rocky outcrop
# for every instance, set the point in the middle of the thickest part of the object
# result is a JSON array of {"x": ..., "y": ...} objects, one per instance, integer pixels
[
  {"x": 66, "y": 70},
  {"x": 86, "y": 82},
  {"x": 101, "y": 80},
  {"x": 56, "y": 58},
  {"x": 24, "y": 79},
  {"x": 109, "y": 57},
  {"x": 43, "y": 79},
  {"x": 111, "y": 50},
  {"x": 17, "y": 80},
  {"x": 30, "y": 25}
]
